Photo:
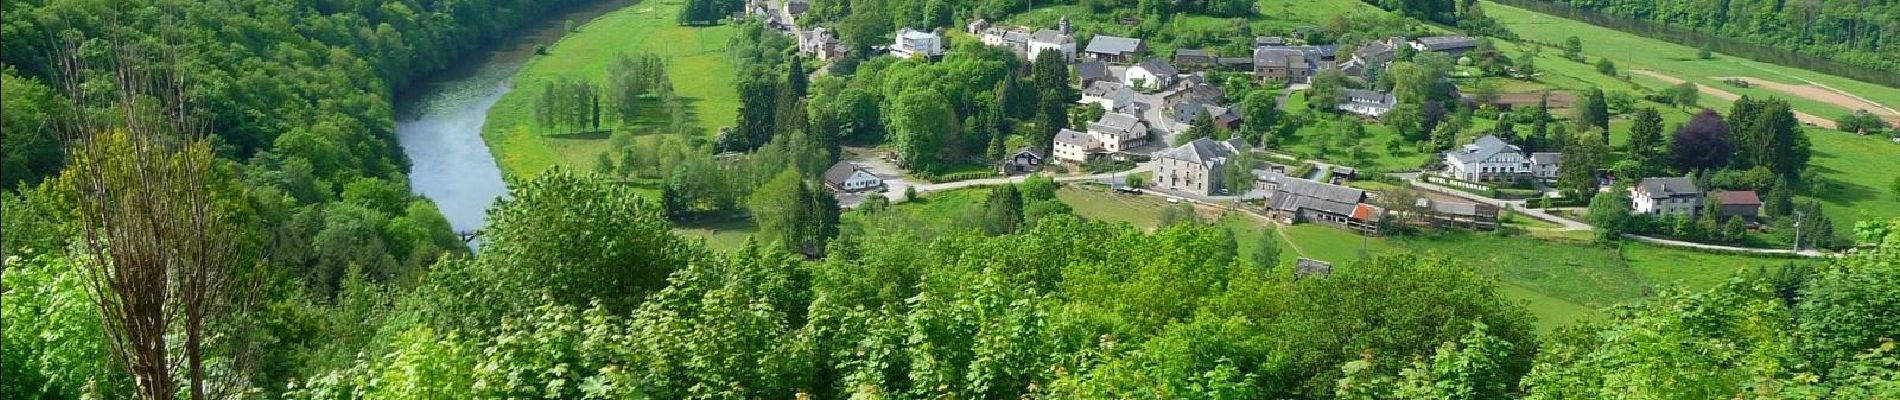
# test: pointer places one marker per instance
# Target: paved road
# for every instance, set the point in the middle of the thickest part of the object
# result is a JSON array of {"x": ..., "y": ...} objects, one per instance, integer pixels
[
  {"x": 1678, "y": 243},
  {"x": 1515, "y": 206}
]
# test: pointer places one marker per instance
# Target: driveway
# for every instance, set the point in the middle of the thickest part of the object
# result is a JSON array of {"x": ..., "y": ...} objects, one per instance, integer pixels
[{"x": 1515, "y": 206}]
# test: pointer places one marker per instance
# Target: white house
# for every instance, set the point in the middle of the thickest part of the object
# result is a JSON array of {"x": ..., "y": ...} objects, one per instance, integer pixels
[
  {"x": 1488, "y": 159},
  {"x": 1074, "y": 147},
  {"x": 1114, "y": 133},
  {"x": 1030, "y": 45},
  {"x": 846, "y": 177},
  {"x": 1366, "y": 102},
  {"x": 917, "y": 44},
  {"x": 1545, "y": 165},
  {"x": 1153, "y": 74},
  {"x": 1665, "y": 196}
]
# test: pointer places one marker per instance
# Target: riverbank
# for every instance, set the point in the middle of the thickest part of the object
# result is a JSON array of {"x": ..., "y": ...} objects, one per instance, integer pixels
[
  {"x": 696, "y": 61},
  {"x": 439, "y": 120}
]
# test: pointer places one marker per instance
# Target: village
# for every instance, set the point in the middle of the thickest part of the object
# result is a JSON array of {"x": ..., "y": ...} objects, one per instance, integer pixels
[{"x": 1147, "y": 100}]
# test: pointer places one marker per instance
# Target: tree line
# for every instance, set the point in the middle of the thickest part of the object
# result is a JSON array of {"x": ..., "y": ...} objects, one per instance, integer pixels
[{"x": 584, "y": 292}]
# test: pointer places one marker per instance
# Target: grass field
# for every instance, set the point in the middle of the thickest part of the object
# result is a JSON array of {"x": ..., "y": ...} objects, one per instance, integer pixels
[
  {"x": 1629, "y": 50},
  {"x": 697, "y": 64},
  {"x": 727, "y": 235}
]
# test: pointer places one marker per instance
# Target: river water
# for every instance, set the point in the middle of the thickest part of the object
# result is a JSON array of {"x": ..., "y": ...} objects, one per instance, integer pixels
[{"x": 439, "y": 122}]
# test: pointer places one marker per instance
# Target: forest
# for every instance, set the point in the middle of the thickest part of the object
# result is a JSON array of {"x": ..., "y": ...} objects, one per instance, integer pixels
[{"x": 266, "y": 182}]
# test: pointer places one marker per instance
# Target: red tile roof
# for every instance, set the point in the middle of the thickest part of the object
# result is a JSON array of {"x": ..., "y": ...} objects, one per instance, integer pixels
[{"x": 1739, "y": 197}]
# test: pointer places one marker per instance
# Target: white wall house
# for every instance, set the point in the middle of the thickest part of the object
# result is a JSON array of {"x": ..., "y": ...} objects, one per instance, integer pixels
[
  {"x": 847, "y": 177},
  {"x": 1366, "y": 102},
  {"x": 1074, "y": 147},
  {"x": 1114, "y": 133},
  {"x": 1488, "y": 159},
  {"x": 917, "y": 44},
  {"x": 1545, "y": 165},
  {"x": 1152, "y": 74},
  {"x": 1665, "y": 196}
]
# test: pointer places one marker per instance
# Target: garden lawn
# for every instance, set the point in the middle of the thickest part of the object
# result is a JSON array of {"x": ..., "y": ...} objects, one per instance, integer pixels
[
  {"x": 697, "y": 63},
  {"x": 724, "y": 236},
  {"x": 1142, "y": 211}
]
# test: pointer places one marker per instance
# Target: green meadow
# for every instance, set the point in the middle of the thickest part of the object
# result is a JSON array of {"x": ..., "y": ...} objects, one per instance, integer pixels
[{"x": 697, "y": 63}]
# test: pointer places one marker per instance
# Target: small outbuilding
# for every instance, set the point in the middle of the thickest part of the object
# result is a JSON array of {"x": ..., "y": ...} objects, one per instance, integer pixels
[{"x": 846, "y": 177}]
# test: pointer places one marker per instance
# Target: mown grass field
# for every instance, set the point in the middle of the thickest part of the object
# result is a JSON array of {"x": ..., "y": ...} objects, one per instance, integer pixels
[
  {"x": 1629, "y": 50},
  {"x": 697, "y": 63},
  {"x": 725, "y": 235},
  {"x": 1274, "y": 15}
]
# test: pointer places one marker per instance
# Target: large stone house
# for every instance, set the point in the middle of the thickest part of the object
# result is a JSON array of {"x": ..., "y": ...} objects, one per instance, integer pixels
[
  {"x": 1487, "y": 159},
  {"x": 821, "y": 43},
  {"x": 1282, "y": 64},
  {"x": 1030, "y": 45},
  {"x": 1196, "y": 167},
  {"x": 1116, "y": 49},
  {"x": 1665, "y": 196},
  {"x": 1186, "y": 114},
  {"x": 917, "y": 44}
]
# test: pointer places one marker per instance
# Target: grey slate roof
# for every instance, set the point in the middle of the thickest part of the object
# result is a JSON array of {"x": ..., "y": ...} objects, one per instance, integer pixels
[
  {"x": 1091, "y": 70},
  {"x": 1032, "y": 151},
  {"x": 1115, "y": 122},
  {"x": 1269, "y": 41},
  {"x": 1103, "y": 44},
  {"x": 1445, "y": 43},
  {"x": 1483, "y": 148},
  {"x": 1159, "y": 67},
  {"x": 1075, "y": 138},
  {"x": 1236, "y": 61},
  {"x": 1660, "y": 188},
  {"x": 1103, "y": 88},
  {"x": 1280, "y": 57},
  {"x": 839, "y": 172},
  {"x": 1369, "y": 97},
  {"x": 1193, "y": 56},
  {"x": 1205, "y": 151},
  {"x": 1296, "y": 194},
  {"x": 1188, "y": 111},
  {"x": 1546, "y": 158},
  {"x": 1051, "y": 36}
]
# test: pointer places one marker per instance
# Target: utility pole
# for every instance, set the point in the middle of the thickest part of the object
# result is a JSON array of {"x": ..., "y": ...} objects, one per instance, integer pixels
[{"x": 1798, "y": 215}]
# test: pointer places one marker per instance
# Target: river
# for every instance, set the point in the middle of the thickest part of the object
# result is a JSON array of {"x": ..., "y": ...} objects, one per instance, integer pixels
[{"x": 439, "y": 121}]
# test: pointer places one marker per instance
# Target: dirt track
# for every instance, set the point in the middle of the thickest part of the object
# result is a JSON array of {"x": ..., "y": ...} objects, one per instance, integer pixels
[
  {"x": 1731, "y": 96},
  {"x": 1826, "y": 95}
]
